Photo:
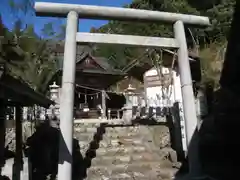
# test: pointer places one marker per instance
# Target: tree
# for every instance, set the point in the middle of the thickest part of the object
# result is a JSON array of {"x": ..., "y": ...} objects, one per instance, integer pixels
[
  {"x": 39, "y": 61},
  {"x": 23, "y": 10},
  {"x": 221, "y": 18},
  {"x": 27, "y": 56},
  {"x": 10, "y": 52},
  {"x": 37, "y": 64},
  {"x": 146, "y": 29},
  {"x": 54, "y": 30},
  {"x": 210, "y": 41}
]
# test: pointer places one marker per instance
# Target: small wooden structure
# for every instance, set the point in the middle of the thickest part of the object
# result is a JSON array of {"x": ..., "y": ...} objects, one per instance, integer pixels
[
  {"x": 93, "y": 76},
  {"x": 91, "y": 71},
  {"x": 14, "y": 92},
  {"x": 137, "y": 71}
]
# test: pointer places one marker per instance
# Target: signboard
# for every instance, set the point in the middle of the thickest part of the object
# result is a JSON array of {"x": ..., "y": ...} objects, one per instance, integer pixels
[{"x": 155, "y": 80}]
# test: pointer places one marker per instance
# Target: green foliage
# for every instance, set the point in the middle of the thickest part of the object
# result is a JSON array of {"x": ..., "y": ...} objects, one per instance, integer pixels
[
  {"x": 54, "y": 30},
  {"x": 20, "y": 6},
  {"x": 23, "y": 10},
  {"x": 26, "y": 55},
  {"x": 221, "y": 17},
  {"x": 210, "y": 40},
  {"x": 37, "y": 63},
  {"x": 146, "y": 29},
  {"x": 212, "y": 57},
  {"x": 48, "y": 29},
  {"x": 10, "y": 52}
]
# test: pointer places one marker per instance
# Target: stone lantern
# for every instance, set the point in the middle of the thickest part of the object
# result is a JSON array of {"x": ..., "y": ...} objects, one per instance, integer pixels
[
  {"x": 54, "y": 96},
  {"x": 131, "y": 100},
  {"x": 54, "y": 92},
  {"x": 130, "y": 95}
]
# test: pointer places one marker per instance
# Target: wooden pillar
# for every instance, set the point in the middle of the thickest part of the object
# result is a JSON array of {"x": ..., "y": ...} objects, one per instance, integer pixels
[
  {"x": 2, "y": 132},
  {"x": 18, "y": 162},
  {"x": 103, "y": 104}
]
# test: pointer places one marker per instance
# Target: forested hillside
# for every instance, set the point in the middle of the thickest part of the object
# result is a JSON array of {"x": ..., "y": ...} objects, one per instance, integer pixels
[
  {"x": 208, "y": 43},
  {"x": 27, "y": 55},
  {"x": 38, "y": 63}
]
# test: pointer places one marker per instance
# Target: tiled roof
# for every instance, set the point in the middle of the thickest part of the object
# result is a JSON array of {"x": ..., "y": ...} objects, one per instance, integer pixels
[
  {"x": 16, "y": 87},
  {"x": 82, "y": 53}
]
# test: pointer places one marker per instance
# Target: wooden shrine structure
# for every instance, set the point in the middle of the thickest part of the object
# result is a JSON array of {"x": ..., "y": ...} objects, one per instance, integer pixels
[
  {"x": 93, "y": 76},
  {"x": 15, "y": 93}
]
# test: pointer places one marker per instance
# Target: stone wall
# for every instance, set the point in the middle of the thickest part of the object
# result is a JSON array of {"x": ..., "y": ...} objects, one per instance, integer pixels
[{"x": 10, "y": 139}]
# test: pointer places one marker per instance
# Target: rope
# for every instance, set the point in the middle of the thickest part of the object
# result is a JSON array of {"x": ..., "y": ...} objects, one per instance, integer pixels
[
  {"x": 100, "y": 90},
  {"x": 87, "y": 94}
]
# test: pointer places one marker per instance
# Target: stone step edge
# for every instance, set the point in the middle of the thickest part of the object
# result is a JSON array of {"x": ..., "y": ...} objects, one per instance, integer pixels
[
  {"x": 158, "y": 164},
  {"x": 116, "y": 178},
  {"x": 99, "y": 121},
  {"x": 123, "y": 175},
  {"x": 89, "y": 121},
  {"x": 100, "y": 151},
  {"x": 126, "y": 159},
  {"x": 121, "y": 148},
  {"x": 129, "y": 146}
]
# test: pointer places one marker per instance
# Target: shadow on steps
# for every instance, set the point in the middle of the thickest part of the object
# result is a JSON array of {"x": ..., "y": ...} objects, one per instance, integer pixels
[{"x": 91, "y": 152}]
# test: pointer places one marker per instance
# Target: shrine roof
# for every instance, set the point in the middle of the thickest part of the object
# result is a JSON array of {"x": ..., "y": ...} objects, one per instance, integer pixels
[
  {"x": 15, "y": 91},
  {"x": 85, "y": 52}
]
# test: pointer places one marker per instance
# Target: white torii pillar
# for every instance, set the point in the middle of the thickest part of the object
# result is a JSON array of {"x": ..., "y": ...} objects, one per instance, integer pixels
[
  {"x": 97, "y": 12},
  {"x": 67, "y": 98}
]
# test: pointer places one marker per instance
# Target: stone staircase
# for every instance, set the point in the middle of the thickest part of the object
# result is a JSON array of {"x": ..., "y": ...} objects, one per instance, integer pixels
[{"x": 115, "y": 151}]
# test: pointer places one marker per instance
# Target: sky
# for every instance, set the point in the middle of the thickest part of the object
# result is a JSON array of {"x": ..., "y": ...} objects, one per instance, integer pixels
[{"x": 84, "y": 25}]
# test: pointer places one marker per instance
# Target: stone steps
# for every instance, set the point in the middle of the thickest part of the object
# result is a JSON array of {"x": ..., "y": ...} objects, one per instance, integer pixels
[
  {"x": 125, "y": 158},
  {"x": 85, "y": 133},
  {"x": 146, "y": 164},
  {"x": 85, "y": 129},
  {"x": 125, "y": 134},
  {"x": 137, "y": 170},
  {"x": 123, "y": 130},
  {"x": 123, "y": 152},
  {"x": 111, "y": 151},
  {"x": 84, "y": 136},
  {"x": 121, "y": 142}
]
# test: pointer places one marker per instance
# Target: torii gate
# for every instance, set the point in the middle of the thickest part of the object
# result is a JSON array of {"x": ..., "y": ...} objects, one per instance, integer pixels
[{"x": 73, "y": 12}]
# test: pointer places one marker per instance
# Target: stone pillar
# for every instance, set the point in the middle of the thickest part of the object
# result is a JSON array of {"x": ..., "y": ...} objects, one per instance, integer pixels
[
  {"x": 25, "y": 113},
  {"x": 2, "y": 132},
  {"x": 18, "y": 162},
  {"x": 201, "y": 107},
  {"x": 103, "y": 104},
  {"x": 189, "y": 108}
]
